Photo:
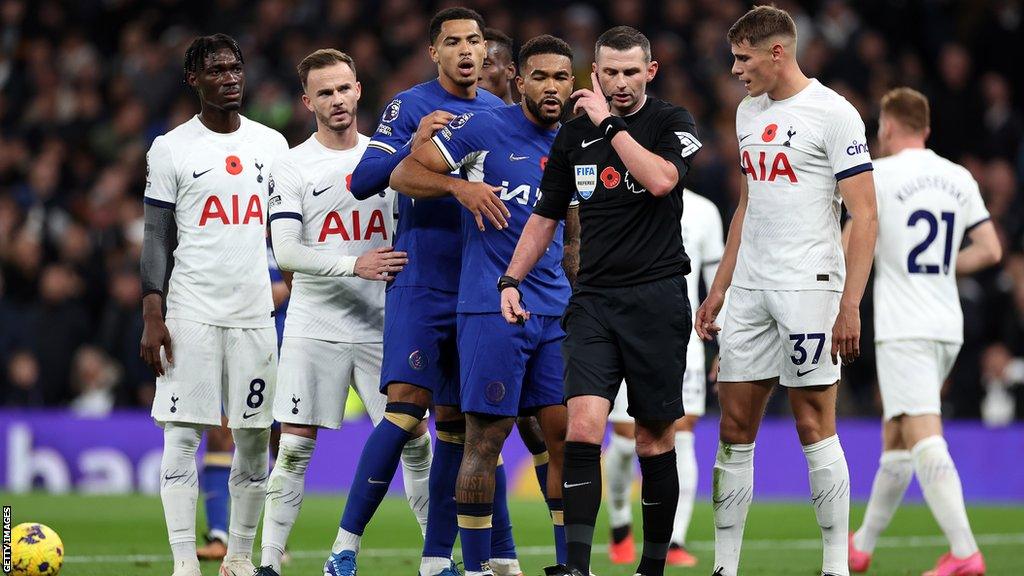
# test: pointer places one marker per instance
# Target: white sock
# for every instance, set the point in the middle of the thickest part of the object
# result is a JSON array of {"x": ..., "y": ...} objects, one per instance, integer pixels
[
  {"x": 505, "y": 567},
  {"x": 179, "y": 491},
  {"x": 248, "y": 487},
  {"x": 830, "y": 496},
  {"x": 895, "y": 469},
  {"x": 346, "y": 540},
  {"x": 732, "y": 492},
  {"x": 686, "y": 467},
  {"x": 618, "y": 473},
  {"x": 431, "y": 565},
  {"x": 285, "y": 491},
  {"x": 416, "y": 458},
  {"x": 940, "y": 484}
]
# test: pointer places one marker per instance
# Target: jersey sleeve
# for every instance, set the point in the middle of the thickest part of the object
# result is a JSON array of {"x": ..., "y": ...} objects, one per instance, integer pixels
[
  {"x": 975, "y": 211},
  {"x": 678, "y": 141},
  {"x": 161, "y": 177},
  {"x": 285, "y": 190},
  {"x": 462, "y": 140},
  {"x": 846, "y": 144},
  {"x": 397, "y": 125},
  {"x": 557, "y": 188},
  {"x": 387, "y": 147}
]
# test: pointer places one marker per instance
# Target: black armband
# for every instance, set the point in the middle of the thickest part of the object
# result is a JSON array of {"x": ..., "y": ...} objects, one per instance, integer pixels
[{"x": 612, "y": 125}]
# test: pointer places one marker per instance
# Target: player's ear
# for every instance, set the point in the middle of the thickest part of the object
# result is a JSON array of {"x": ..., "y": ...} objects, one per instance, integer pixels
[
  {"x": 652, "y": 70},
  {"x": 307, "y": 102},
  {"x": 520, "y": 83},
  {"x": 190, "y": 79},
  {"x": 359, "y": 90},
  {"x": 433, "y": 54}
]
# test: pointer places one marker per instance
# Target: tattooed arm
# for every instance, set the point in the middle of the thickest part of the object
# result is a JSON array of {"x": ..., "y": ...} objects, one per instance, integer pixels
[{"x": 571, "y": 241}]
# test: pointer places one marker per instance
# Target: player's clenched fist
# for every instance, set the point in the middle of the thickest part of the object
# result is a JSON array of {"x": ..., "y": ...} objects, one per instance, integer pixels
[
  {"x": 704, "y": 322},
  {"x": 381, "y": 264},
  {"x": 430, "y": 124},
  {"x": 155, "y": 336},
  {"x": 846, "y": 335},
  {"x": 593, "y": 102},
  {"x": 482, "y": 201}
]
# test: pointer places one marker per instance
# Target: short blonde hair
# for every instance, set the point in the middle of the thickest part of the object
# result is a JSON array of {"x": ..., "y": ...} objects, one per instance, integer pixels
[
  {"x": 760, "y": 24},
  {"x": 908, "y": 107},
  {"x": 323, "y": 58}
]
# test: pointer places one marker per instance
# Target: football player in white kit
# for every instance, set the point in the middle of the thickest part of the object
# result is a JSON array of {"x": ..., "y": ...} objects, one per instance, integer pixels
[
  {"x": 926, "y": 205},
  {"x": 205, "y": 207},
  {"x": 702, "y": 236},
  {"x": 793, "y": 299},
  {"x": 333, "y": 334}
]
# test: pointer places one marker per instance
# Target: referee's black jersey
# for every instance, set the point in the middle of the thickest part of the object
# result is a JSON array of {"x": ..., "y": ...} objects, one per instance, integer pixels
[{"x": 628, "y": 236}]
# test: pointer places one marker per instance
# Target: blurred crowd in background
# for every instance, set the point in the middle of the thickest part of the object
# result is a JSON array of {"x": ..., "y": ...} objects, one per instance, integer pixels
[{"x": 87, "y": 85}]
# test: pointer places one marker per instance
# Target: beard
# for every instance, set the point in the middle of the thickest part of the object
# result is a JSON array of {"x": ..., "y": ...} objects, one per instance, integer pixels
[
  {"x": 336, "y": 125},
  {"x": 538, "y": 112}
]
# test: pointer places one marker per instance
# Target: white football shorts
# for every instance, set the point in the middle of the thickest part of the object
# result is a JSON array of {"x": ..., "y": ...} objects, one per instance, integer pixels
[
  {"x": 314, "y": 377},
  {"x": 911, "y": 373},
  {"x": 217, "y": 370},
  {"x": 774, "y": 333}
]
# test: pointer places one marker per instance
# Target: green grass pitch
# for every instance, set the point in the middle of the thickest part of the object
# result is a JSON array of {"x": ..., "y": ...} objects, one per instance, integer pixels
[{"x": 125, "y": 535}]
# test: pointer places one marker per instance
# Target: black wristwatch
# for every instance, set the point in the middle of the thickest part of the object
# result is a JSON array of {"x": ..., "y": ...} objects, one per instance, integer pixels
[{"x": 612, "y": 125}]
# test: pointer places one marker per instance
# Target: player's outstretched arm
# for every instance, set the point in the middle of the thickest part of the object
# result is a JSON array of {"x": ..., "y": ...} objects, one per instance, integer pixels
[
  {"x": 704, "y": 321},
  {"x": 858, "y": 193},
  {"x": 158, "y": 243},
  {"x": 292, "y": 255},
  {"x": 377, "y": 164},
  {"x": 426, "y": 174},
  {"x": 534, "y": 241},
  {"x": 985, "y": 250}
]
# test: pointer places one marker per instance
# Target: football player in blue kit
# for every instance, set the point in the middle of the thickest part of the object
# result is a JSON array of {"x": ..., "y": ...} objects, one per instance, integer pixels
[
  {"x": 506, "y": 370},
  {"x": 420, "y": 366}
]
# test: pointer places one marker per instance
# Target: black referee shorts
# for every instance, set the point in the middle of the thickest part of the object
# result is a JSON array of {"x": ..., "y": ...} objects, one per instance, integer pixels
[{"x": 638, "y": 333}]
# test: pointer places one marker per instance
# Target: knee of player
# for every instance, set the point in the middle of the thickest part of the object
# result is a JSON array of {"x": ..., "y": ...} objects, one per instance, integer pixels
[
  {"x": 735, "y": 431},
  {"x": 406, "y": 415},
  {"x": 408, "y": 393},
  {"x": 585, "y": 429},
  {"x": 811, "y": 429}
]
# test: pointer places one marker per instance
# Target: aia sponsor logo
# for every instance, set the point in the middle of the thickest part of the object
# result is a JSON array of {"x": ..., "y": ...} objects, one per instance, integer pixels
[
  {"x": 767, "y": 168},
  {"x": 334, "y": 224},
  {"x": 214, "y": 210}
]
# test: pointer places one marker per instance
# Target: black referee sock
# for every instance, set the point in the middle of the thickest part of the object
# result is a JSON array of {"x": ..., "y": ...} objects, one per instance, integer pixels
[
  {"x": 659, "y": 494},
  {"x": 581, "y": 493}
]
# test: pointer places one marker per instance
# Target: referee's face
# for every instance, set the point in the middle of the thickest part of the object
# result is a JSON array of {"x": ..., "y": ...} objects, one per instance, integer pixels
[{"x": 623, "y": 75}]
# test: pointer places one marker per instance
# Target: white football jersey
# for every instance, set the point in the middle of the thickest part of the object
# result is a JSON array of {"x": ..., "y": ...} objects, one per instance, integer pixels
[
  {"x": 311, "y": 183},
  {"x": 926, "y": 204},
  {"x": 793, "y": 152},
  {"x": 702, "y": 238},
  {"x": 217, "y": 186}
]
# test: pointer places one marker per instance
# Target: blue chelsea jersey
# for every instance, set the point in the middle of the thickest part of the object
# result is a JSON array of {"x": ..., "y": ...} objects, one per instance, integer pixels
[
  {"x": 503, "y": 148},
  {"x": 427, "y": 229}
]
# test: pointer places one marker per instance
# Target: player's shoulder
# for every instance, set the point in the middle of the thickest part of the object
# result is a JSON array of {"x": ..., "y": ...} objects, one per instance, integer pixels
[
  {"x": 264, "y": 133},
  {"x": 824, "y": 97},
  {"x": 750, "y": 106}
]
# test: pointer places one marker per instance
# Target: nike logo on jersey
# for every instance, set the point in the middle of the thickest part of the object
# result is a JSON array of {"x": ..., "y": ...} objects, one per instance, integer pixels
[
  {"x": 802, "y": 373},
  {"x": 515, "y": 158},
  {"x": 586, "y": 143},
  {"x": 372, "y": 481},
  {"x": 319, "y": 192},
  {"x": 744, "y": 137},
  {"x": 247, "y": 415},
  {"x": 567, "y": 485},
  {"x": 198, "y": 174}
]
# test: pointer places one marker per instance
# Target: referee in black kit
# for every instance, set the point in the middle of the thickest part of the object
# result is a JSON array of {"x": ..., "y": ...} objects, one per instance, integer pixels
[{"x": 624, "y": 161}]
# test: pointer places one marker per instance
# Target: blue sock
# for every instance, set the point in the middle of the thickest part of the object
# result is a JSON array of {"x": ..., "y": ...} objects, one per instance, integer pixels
[
  {"x": 475, "y": 533},
  {"x": 558, "y": 521},
  {"x": 216, "y": 471},
  {"x": 502, "y": 544},
  {"x": 540, "y": 466},
  {"x": 442, "y": 526},
  {"x": 378, "y": 464}
]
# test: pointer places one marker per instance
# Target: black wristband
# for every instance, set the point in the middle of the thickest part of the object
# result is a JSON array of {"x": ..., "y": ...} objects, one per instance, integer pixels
[
  {"x": 612, "y": 125},
  {"x": 506, "y": 281}
]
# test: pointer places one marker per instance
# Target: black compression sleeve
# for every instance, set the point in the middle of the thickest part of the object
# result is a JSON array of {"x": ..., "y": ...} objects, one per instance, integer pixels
[{"x": 158, "y": 243}]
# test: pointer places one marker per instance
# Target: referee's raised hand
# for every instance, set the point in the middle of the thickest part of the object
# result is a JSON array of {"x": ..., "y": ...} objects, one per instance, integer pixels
[
  {"x": 481, "y": 199},
  {"x": 593, "y": 102}
]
